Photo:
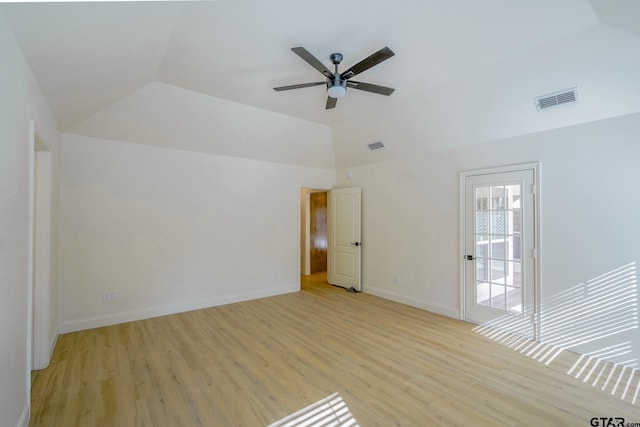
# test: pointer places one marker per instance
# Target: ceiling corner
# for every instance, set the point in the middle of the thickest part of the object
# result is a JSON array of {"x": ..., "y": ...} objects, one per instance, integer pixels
[{"x": 622, "y": 14}]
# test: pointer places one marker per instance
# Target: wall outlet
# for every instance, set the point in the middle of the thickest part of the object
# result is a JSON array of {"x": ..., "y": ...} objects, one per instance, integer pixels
[
  {"x": 396, "y": 279},
  {"x": 110, "y": 296}
]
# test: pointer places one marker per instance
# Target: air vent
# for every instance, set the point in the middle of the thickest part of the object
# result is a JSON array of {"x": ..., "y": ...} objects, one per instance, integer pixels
[
  {"x": 566, "y": 96},
  {"x": 376, "y": 146}
]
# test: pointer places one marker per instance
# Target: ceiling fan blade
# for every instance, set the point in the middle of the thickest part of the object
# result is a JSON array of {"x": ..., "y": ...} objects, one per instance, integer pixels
[
  {"x": 299, "y": 86},
  {"x": 374, "y": 59},
  {"x": 331, "y": 103},
  {"x": 381, "y": 90},
  {"x": 312, "y": 60}
]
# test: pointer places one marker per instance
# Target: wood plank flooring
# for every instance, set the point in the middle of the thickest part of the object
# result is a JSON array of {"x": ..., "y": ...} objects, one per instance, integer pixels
[{"x": 254, "y": 363}]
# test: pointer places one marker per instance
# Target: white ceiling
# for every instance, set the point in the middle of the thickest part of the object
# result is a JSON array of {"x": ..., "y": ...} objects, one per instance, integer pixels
[{"x": 464, "y": 70}]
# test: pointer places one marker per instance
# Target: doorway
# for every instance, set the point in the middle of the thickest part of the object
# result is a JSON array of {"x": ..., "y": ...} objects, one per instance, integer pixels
[
  {"x": 313, "y": 231},
  {"x": 330, "y": 227},
  {"x": 499, "y": 264}
]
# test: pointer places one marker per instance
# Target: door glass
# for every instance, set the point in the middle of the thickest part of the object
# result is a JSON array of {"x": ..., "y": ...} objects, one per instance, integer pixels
[
  {"x": 498, "y": 218},
  {"x": 483, "y": 295}
]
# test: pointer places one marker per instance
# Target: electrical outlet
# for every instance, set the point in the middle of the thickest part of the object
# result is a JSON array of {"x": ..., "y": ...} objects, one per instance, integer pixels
[
  {"x": 396, "y": 279},
  {"x": 110, "y": 296}
]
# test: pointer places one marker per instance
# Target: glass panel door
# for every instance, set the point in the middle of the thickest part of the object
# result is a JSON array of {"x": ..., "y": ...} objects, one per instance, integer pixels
[
  {"x": 498, "y": 247},
  {"x": 499, "y": 263}
]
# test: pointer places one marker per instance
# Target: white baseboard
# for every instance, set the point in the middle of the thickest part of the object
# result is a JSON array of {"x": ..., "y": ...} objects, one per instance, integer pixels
[
  {"x": 53, "y": 342},
  {"x": 24, "y": 418},
  {"x": 413, "y": 302},
  {"x": 147, "y": 313}
]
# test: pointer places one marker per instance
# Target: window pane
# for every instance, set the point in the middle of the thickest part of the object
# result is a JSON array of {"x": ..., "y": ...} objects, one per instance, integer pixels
[
  {"x": 482, "y": 294},
  {"x": 514, "y": 274},
  {"x": 481, "y": 250},
  {"x": 482, "y": 238},
  {"x": 482, "y": 198},
  {"x": 498, "y": 198},
  {"x": 498, "y": 297},
  {"x": 482, "y": 222},
  {"x": 514, "y": 299},
  {"x": 516, "y": 248},
  {"x": 516, "y": 220},
  {"x": 513, "y": 199},
  {"x": 498, "y": 249},
  {"x": 497, "y": 271},
  {"x": 482, "y": 272},
  {"x": 513, "y": 248},
  {"x": 498, "y": 223}
]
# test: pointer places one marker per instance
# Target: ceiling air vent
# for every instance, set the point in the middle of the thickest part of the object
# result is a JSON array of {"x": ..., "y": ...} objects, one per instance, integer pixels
[
  {"x": 566, "y": 96},
  {"x": 376, "y": 146}
]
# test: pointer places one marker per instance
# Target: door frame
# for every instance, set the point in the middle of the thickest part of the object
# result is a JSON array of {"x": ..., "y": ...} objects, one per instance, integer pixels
[
  {"x": 42, "y": 344},
  {"x": 536, "y": 168},
  {"x": 39, "y": 347}
]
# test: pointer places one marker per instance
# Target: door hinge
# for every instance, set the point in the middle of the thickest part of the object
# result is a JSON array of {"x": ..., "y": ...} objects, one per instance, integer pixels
[
  {"x": 534, "y": 253},
  {"x": 533, "y": 189}
]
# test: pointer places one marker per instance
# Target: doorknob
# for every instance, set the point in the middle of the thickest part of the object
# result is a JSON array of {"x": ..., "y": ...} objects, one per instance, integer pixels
[
  {"x": 470, "y": 257},
  {"x": 356, "y": 244}
]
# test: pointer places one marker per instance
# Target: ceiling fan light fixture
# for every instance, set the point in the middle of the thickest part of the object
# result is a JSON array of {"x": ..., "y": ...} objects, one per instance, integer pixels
[{"x": 338, "y": 90}]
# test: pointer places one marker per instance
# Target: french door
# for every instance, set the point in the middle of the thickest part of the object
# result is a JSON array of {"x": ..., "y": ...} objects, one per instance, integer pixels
[{"x": 499, "y": 249}]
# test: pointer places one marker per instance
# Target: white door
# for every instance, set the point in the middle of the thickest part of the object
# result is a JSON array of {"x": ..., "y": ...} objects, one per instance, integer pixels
[
  {"x": 344, "y": 237},
  {"x": 499, "y": 253}
]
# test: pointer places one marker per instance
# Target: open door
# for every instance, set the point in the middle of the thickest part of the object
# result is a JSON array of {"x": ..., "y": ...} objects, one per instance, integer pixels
[{"x": 345, "y": 243}]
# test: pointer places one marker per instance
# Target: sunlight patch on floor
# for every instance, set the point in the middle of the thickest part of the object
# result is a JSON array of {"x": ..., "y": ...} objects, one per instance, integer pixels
[
  {"x": 594, "y": 313},
  {"x": 332, "y": 411}
]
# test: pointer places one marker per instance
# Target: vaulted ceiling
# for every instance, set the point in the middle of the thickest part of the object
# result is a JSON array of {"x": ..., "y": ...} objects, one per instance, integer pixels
[{"x": 465, "y": 71}]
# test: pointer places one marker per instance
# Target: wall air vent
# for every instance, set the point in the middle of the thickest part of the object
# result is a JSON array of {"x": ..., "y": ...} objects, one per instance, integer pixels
[
  {"x": 555, "y": 99},
  {"x": 376, "y": 146}
]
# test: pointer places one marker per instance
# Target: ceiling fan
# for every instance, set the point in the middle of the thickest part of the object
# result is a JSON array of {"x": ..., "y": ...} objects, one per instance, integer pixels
[{"x": 337, "y": 83}]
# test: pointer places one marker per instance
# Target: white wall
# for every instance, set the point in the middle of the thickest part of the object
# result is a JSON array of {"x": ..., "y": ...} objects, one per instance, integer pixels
[
  {"x": 21, "y": 102},
  {"x": 589, "y": 224},
  {"x": 171, "y": 230}
]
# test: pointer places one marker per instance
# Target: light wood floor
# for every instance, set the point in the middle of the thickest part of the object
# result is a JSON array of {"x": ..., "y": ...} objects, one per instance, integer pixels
[{"x": 253, "y": 363}]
